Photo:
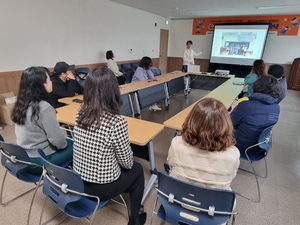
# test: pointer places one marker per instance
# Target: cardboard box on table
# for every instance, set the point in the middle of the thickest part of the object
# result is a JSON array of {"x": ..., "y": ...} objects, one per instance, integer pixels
[{"x": 7, "y": 103}]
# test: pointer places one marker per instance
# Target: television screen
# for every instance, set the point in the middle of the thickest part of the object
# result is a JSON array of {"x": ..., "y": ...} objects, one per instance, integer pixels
[{"x": 238, "y": 44}]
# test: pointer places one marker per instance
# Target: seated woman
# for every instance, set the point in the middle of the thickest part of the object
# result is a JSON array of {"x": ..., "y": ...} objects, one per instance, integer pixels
[
  {"x": 205, "y": 153},
  {"x": 112, "y": 65},
  {"x": 258, "y": 70},
  {"x": 35, "y": 120},
  {"x": 260, "y": 111},
  {"x": 102, "y": 152},
  {"x": 143, "y": 72}
]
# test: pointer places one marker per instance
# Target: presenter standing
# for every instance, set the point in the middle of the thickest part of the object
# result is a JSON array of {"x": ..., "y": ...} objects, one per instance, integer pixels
[{"x": 188, "y": 56}]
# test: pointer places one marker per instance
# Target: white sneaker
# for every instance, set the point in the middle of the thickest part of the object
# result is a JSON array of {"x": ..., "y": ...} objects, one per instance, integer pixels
[{"x": 154, "y": 107}]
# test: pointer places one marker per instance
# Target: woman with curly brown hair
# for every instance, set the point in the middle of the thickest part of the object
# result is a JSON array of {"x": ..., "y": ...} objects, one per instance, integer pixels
[
  {"x": 205, "y": 153},
  {"x": 258, "y": 70}
]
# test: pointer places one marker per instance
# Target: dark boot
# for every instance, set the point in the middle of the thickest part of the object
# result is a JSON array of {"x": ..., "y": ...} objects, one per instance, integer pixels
[{"x": 141, "y": 220}]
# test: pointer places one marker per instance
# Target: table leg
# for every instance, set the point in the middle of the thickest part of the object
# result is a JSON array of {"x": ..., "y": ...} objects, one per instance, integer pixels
[
  {"x": 149, "y": 186},
  {"x": 167, "y": 95},
  {"x": 153, "y": 170},
  {"x": 137, "y": 105},
  {"x": 187, "y": 85},
  {"x": 131, "y": 106}
]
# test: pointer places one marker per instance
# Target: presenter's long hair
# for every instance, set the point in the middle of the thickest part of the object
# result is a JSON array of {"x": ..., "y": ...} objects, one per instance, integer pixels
[
  {"x": 31, "y": 91},
  {"x": 101, "y": 98},
  {"x": 208, "y": 126}
]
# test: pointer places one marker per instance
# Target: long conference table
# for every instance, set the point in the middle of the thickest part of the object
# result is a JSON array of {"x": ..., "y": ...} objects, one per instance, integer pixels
[
  {"x": 146, "y": 93},
  {"x": 140, "y": 132},
  {"x": 225, "y": 92}
]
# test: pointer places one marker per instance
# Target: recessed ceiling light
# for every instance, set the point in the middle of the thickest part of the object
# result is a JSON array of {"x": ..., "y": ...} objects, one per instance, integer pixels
[
  {"x": 277, "y": 6},
  {"x": 176, "y": 8}
]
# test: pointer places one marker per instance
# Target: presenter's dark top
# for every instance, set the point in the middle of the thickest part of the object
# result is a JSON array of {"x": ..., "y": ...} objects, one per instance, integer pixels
[{"x": 62, "y": 89}]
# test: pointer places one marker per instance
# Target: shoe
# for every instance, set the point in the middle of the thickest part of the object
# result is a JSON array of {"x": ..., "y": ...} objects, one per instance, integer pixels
[
  {"x": 154, "y": 107},
  {"x": 141, "y": 220}
]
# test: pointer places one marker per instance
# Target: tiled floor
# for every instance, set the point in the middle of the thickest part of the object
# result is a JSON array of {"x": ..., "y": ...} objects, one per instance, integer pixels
[{"x": 280, "y": 201}]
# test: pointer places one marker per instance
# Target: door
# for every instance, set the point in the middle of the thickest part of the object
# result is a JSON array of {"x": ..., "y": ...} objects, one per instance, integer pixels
[{"x": 163, "y": 50}]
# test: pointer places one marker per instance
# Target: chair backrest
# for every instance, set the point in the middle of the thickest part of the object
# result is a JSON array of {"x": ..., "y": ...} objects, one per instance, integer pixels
[
  {"x": 120, "y": 68},
  {"x": 56, "y": 180},
  {"x": 156, "y": 72},
  {"x": 81, "y": 73},
  {"x": 128, "y": 75},
  {"x": 135, "y": 65},
  {"x": 14, "y": 158},
  {"x": 126, "y": 67},
  {"x": 265, "y": 138},
  {"x": 182, "y": 201}
]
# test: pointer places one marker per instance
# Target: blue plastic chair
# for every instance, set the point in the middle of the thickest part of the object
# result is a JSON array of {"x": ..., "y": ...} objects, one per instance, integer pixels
[
  {"x": 126, "y": 67},
  {"x": 81, "y": 73},
  {"x": 135, "y": 65},
  {"x": 15, "y": 159},
  {"x": 65, "y": 189},
  {"x": 128, "y": 75},
  {"x": 186, "y": 203},
  {"x": 120, "y": 68},
  {"x": 156, "y": 72},
  {"x": 264, "y": 143}
]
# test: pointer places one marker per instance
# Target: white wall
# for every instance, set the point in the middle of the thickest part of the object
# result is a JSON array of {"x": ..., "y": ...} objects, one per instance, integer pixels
[
  {"x": 42, "y": 32},
  {"x": 278, "y": 49}
]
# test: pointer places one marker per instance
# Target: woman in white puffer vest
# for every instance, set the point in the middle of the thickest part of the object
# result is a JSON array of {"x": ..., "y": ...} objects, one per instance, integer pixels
[{"x": 205, "y": 153}]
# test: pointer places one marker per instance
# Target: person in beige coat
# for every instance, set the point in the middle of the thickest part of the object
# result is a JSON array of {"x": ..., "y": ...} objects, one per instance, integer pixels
[{"x": 205, "y": 153}]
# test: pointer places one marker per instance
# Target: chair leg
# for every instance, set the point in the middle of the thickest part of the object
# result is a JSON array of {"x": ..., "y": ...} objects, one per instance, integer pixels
[
  {"x": 154, "y": 212},
  {"x": 127, "y": 209},
  {"x": 124, "y": 203},
  {"x": 11, "y": 200},
  {"x": 32, "y": 200},
  {"x": 41, "y": 217},
  {"x": 233, "y": 220},
  {"x": 262, "y": 176},
  {"x": 2, "y": 186},
  {"x": 258, "y": 188},
  {"x": 266, "y": 167}
]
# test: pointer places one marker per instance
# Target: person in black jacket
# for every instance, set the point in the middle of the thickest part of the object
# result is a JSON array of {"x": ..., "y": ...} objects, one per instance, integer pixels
[{"x": 64, "y": 84}]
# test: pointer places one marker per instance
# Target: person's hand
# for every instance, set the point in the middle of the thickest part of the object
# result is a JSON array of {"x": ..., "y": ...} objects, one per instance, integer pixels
[
  {"x": 70, "y": 75},
  {"x": 122, "y": 74}
]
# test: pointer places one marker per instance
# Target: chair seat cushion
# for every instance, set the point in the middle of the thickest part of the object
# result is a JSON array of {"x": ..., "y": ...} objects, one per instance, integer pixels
[
  {"x": 255, "y": 157},
  {"x": 28, "y": 177},
  {"x": 83, "y": 208}
]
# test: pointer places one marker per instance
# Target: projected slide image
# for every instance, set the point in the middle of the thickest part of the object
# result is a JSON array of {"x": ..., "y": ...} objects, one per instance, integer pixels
[{"x": 237, "y": 44}]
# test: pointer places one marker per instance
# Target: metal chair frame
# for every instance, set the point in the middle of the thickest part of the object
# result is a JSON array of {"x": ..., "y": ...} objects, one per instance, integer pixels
[
  {"x": 250, "y": 159},
  {"x": 13, "y": 159}
]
